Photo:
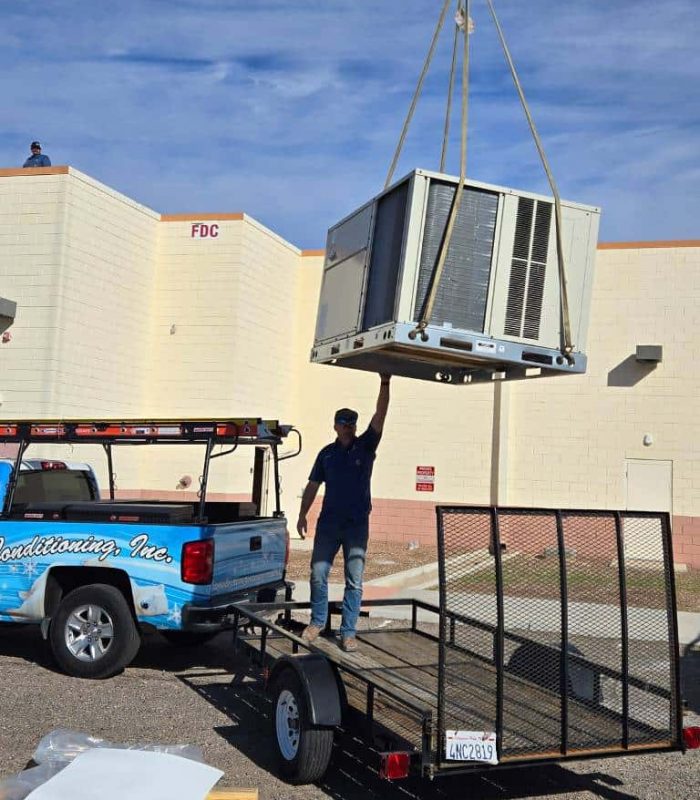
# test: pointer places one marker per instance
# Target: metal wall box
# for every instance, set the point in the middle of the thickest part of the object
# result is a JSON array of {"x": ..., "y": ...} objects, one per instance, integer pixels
[
  {"x": 8, "y": 309},
  {"x": 497, "y": 313},
  {"x": 650, "y": 353}
]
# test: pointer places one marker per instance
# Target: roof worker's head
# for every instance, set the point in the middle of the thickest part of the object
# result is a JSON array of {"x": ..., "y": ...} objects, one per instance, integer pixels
[
  {"x": 35, "y": 147},
  {"x": 345, "y": 421}
]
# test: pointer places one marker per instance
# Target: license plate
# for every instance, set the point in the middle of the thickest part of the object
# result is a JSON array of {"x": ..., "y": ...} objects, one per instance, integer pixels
[{"x": 471, "y": 746}]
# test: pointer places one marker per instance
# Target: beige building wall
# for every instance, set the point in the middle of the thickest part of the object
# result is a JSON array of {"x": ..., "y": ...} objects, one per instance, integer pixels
[
  {"x": 105, "y": 300},
  {"x": 122, "y": 312},
  {"x": 79, "y": 259},
  {"x": 572, "y": 437},
  {"x": 223, "y": 335},
  {"x": 32, "y": 221}
]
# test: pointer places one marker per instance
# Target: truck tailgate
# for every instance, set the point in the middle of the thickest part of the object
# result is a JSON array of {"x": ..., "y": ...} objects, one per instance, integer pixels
[{"x": 248, "y": 554}]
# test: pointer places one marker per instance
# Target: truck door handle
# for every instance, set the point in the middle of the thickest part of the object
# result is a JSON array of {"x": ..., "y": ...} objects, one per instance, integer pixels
[{"x": 255, "y": 543}]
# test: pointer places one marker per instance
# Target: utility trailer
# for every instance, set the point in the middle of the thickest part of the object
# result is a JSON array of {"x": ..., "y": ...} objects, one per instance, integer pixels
[{"x": 532, "y": 671}]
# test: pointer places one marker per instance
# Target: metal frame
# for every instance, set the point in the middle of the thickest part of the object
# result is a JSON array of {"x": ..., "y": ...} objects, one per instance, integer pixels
[
  {"x": 257, "y": 646},
  {"x": 447, "y": 355},
  {"x": 428, "y": 761},
  {"x": 565, "y": 655},
  {"x": 134, "y": 432}
]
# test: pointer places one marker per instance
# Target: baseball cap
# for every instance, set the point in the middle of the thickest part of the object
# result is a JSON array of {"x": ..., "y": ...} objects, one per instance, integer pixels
[
  {"x": 35, "y": 144},
  {"x": 345, "y": 416}
]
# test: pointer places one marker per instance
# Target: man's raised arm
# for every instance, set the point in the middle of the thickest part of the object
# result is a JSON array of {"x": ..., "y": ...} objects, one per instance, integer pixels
[{"x": 377, "y": 422}]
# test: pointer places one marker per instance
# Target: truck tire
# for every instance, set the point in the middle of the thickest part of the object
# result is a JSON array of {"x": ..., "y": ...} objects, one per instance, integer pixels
[
  {"x": 304, "y": 749},
  {"x": 93, "y": 634}
]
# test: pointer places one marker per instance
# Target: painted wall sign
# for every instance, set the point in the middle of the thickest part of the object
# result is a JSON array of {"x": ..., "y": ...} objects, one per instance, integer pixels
[
  {"x": 204, "y": 230},
  {"x": 425, "y": 479}
]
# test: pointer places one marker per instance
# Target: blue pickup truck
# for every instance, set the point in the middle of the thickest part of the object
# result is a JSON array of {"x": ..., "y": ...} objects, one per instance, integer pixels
[{"x": 93, "y": 571}]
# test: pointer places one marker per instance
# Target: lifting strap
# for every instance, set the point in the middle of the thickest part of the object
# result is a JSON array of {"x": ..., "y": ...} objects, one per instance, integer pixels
[
  {"x": 416, "y": 94},
  {"x": 463, "y": 23},
  {"x": 566, "y": 344},
  {"x": 450, "y": 92}
]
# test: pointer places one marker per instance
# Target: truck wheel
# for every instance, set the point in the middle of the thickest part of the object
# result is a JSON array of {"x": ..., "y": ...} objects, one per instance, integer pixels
[
  {"x": 187, "y": 638},
  {"x": 93, "y": 634},
  {"x": 304, "y": 750}
]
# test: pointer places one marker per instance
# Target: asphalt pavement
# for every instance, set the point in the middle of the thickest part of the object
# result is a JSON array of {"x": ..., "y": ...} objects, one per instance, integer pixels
[{"x": 209, "y": 697}]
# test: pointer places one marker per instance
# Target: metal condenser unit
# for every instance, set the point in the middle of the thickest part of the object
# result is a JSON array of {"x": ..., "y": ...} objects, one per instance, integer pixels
[{"x": 497, "y": 309}]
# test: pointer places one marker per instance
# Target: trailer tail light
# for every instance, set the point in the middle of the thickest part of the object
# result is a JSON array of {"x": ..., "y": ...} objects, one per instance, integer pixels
[
  {"x": 197, "y": 564},
  {"x": 691, "y": 737},
  {"x": 394, "y": 766},
  {"x": 53, "y": 465}
]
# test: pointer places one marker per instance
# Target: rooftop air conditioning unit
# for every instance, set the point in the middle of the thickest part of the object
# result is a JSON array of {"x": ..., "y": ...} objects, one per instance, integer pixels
[{"x": 497, "y": 311}]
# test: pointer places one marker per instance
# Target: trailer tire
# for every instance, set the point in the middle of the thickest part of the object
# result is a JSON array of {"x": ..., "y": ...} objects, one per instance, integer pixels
[
  {"x": 304, "y": 749},
  {"x": 102, "y": 612}
]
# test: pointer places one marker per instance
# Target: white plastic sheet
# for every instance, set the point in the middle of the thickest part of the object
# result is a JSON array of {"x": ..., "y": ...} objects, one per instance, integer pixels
[{"x": 137, "y": 775}]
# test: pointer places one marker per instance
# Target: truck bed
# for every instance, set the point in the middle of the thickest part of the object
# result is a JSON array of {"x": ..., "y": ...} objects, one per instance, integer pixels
[{"x": 139, "y": 511}]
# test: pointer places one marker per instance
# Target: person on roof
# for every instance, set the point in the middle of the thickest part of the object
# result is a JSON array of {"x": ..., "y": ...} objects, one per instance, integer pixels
[
  {"x": 345, "y": 466},
  {"x": 37, "y": 159}
]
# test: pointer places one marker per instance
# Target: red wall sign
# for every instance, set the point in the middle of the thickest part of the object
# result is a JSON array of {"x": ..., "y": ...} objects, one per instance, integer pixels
[
  {"x": 425, "y": 479},
  {"x": 203, "y": 230}
]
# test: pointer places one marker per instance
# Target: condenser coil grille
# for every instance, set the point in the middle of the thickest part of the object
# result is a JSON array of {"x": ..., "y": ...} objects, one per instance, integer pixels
[
  {"x": 463, "y": 291},
  {"x": 527, "y": 272}
]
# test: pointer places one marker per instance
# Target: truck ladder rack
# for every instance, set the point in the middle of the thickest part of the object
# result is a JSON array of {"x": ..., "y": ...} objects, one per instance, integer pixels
[{"x": 243, "y": 430}]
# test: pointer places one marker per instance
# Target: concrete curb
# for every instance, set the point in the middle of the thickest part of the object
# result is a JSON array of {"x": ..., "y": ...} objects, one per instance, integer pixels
[{"x": 427, "y": 575}]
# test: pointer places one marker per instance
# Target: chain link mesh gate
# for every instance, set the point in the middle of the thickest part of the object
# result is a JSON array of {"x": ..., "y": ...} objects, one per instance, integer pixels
[{"x": 557, "y": 630}]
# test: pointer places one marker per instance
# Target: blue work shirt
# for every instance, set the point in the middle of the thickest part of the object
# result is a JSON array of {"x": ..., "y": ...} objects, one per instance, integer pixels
[
  {"x": 347, "y": 472},
  {"x": 39, "y": 160}
]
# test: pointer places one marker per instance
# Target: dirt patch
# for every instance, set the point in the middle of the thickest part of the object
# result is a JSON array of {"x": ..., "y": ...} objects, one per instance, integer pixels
[{"x": 382, "y": 559}]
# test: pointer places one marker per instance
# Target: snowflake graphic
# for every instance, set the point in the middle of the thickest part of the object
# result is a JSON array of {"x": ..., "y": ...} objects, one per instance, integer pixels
[
  {"x": 175, "y": 615},
  {"x": 30, "y": 568},
  {"x": 14, "y": 568}
]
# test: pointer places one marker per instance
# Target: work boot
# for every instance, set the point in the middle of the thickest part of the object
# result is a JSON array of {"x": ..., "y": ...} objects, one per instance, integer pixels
[
  {"x": 311, "y": 633},
  {"x": 349, "y": 644}
]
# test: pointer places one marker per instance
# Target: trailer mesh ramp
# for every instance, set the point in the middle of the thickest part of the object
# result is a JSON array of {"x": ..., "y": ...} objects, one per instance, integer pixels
[{"x": 557, "y": 630}]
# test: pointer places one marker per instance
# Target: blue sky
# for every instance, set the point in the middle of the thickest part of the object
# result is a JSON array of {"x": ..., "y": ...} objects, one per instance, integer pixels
[{"x": 290, "y": 111}]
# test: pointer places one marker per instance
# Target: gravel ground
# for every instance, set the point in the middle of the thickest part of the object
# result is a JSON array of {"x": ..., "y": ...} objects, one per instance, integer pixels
[{"x": 211, "y": 698}]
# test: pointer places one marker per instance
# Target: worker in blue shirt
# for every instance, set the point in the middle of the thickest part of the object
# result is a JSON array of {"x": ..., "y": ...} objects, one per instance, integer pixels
[
  {"x": 36, "y": 159},
  {"x": 345, "y": 466}
]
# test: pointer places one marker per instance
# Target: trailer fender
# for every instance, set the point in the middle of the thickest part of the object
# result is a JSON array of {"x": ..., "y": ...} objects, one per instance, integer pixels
[{"x": 321, "y": 684}]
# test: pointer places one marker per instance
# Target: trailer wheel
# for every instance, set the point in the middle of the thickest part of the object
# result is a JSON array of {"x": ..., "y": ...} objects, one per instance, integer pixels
[
  {"x": 93, "y": 634},
  {"x": 304, "y": 749}
]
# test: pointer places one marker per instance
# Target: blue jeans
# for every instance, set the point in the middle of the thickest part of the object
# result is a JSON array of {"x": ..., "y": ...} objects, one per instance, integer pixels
[{"x": 329, "y": 539}]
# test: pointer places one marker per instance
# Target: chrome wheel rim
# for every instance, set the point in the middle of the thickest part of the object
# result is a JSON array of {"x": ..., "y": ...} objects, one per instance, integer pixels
[
  {"x": 89, "y": 632},
  {"x": 287, "y": 724}
]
